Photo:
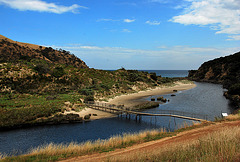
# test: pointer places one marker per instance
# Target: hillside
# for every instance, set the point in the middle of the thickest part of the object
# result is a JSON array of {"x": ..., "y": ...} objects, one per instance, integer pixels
[
  {"x": 225, "y": 71},
  {"x": 39, "y": 81},
  {"x": 12, "y": 51}
]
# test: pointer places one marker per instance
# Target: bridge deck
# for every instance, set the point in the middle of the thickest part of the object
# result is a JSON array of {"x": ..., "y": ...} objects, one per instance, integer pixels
[{"x": 126, "y": 111}]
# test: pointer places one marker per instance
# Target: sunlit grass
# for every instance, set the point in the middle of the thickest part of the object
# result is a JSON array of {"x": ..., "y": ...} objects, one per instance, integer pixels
[
  {"x": 233, "y": 117},
  {"x": 216, "y": 146}
]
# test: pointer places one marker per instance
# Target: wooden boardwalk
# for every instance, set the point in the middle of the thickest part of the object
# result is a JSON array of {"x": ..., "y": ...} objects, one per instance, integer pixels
[{"x": 120, "y": 110}]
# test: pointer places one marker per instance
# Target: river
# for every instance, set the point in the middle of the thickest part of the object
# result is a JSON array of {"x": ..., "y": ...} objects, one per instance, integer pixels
[{"x": 205, "y": 99}]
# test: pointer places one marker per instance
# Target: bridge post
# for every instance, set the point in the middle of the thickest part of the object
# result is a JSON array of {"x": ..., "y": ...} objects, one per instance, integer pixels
[{"x": 174, "y": 123}]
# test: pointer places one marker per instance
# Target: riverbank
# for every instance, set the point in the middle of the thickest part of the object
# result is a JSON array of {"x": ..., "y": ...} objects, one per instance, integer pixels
[
  {"x": 145, "y": 146},
  {"x": 133, "y": 99}
]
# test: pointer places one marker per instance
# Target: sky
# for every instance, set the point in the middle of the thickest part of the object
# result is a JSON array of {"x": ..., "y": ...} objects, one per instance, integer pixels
[{"x": 134, "y": 34}]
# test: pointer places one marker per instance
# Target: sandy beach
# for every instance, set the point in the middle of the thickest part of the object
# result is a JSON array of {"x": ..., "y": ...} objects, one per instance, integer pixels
[{"x": 133, "y": 99}]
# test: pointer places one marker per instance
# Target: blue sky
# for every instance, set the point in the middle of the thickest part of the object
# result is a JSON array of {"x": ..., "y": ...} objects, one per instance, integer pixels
[{"x": 134, "y": 34}]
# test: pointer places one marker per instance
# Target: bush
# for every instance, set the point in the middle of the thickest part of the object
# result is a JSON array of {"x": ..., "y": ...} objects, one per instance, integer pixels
[
  {"x": 86, "y": 92},
  {"x": 153, "y": 76},
  {"x": 234, "y": 89},
  {"x": 58, "y": 72},
  {"x": 88, "y": 98},
  {"x": 41, "y": 69}
]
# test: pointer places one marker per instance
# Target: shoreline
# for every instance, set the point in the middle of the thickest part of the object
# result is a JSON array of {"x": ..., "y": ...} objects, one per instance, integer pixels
[
  {"x": 128, "y": 100},
  {"x": 133, "y": 99}
]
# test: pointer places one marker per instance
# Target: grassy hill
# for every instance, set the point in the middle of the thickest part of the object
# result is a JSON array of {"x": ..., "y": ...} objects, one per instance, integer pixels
[{"x": 39, "y": 80}]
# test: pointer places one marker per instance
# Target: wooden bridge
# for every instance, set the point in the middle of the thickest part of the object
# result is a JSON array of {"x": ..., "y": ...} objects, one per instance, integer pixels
[{"x": 121, "y": 110}]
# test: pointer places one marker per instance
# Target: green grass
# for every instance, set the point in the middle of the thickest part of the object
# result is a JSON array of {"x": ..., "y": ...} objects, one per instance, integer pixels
[
  {"x": 10, "y": 101},
  {"x": 21, "y": 109}
]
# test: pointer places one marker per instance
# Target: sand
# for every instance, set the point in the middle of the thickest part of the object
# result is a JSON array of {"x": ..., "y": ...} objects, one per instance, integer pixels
[
  {"x": 130, "y": 100},
  {"x": 133, "y": 99},
  {"x": 87, "y": 111}
]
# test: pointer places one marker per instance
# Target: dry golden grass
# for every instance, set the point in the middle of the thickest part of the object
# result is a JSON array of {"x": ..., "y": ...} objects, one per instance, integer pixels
[
  {"x": 218, "y": 146},
  {"x": 20, "y": 43},
  {"x": 233, "y": 117},
  {"x": 96, "y": 146},
  {"x": 2, "y": 156}
]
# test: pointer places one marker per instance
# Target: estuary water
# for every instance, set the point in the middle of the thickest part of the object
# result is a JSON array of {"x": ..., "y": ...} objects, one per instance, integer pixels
[{"x": 206, "y": 100}]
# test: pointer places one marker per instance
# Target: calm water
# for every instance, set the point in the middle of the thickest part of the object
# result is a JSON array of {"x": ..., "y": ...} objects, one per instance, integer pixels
[{"x": 205, "y": 99}]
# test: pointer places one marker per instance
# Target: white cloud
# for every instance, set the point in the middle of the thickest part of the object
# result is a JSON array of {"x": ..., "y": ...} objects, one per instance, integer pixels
[
  {"x": 113, "y": 20},
  {"x": 126, "y": 31},
  {"x": 40, "y": 6},
  {"x": 153, "y": 22},
  {"x": 234, "y": 37},
  {"x": 110, "y": 20},
  {"x": 175, "y": 57},
  {"x": 128, "y": 20},
  {"x": 223, "y": 16}
]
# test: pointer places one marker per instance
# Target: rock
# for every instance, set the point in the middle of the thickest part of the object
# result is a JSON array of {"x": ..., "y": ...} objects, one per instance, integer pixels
[
  {"x": 162, "y": 99},
  {"x": 152, "y": 99},
  {"x": 67, "y": 103}
]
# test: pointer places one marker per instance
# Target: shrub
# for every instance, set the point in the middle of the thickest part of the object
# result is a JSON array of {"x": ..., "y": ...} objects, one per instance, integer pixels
[
  {"x": 58, "y": 72},
  {"x": 41, "y": 69},
  {"x": 86, "y": 92},
  {"x": 234, "y": 89},
  {"x": 88, "y": 98},
  {"x": 153, "y": 76}
]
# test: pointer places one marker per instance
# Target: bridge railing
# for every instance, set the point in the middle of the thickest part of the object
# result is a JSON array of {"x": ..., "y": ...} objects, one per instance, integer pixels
[
  {"x": 171, "y": 112},
  {"x": 181, "y": 113}
]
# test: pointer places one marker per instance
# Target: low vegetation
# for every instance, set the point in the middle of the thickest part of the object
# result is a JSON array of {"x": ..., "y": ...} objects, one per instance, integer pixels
[
  {"x": 145, "y": 105},
  {"x": 26, "y": 110}
]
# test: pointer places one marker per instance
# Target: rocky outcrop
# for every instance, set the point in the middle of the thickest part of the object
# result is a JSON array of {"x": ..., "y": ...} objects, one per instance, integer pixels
[{"x": 223, "y": 70}]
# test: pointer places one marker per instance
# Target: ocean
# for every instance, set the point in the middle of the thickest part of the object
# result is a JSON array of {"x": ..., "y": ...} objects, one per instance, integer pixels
[{"x": 169, "y": 73}]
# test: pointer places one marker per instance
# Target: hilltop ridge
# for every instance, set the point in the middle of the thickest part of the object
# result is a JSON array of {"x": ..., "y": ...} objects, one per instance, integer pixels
[{"x": 13, "y": 51}]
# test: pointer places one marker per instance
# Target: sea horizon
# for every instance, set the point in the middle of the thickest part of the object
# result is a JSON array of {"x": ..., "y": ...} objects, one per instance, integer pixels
[{"x": 166, "y": 73}]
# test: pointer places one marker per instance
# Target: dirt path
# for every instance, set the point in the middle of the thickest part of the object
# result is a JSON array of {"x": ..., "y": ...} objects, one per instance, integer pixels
[{"x": 183, "y": 137}]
